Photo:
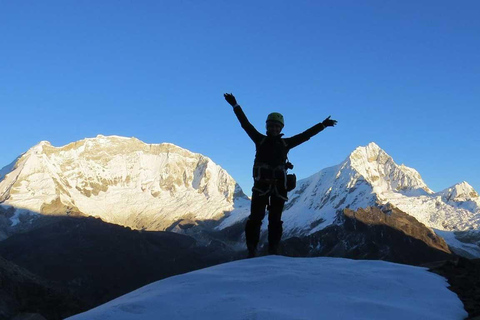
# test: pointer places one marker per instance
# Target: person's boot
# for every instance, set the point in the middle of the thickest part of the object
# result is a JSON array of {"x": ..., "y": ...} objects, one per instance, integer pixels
[
  {"x": 252, "y": 236},
  {"x": 273, "y": 249},
  {"x": 275, "y": 231}
]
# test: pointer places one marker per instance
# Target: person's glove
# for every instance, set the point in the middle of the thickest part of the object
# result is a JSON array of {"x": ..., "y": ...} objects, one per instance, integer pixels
[
  {"x": 230, "y": 99},
  {"x": 329, "y": 122}
]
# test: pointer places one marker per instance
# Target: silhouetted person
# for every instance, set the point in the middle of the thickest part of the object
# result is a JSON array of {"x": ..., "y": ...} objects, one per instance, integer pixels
[{"x": 269, "y": 174}]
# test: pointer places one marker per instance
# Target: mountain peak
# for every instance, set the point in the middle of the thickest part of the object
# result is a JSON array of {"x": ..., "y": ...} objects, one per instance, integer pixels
[
  {"x": 462, "y": 191},
  {"x": 122, "y": 180},
  {"x": 370, "y": 151},
  {"x": 39, "y": 147},
  {"x": 381, "y": 171}
]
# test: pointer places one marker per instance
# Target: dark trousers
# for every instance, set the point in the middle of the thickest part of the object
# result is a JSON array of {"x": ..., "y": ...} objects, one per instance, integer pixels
[{"x": 257, "y": 213}]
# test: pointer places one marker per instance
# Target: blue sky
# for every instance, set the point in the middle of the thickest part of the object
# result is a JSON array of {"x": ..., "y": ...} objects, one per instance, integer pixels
[{"x": 403, "y": 74}]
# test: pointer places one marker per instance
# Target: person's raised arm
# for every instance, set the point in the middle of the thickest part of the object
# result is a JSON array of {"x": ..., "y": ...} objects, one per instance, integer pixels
[
  {"x": 242, "y": 118},
  {"x": 294, "y": 141},
  {"x": 231, "y": 99}
]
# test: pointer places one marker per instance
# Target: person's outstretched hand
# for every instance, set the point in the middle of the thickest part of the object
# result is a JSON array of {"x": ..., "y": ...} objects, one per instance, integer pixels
[
  {"x": 329, "y": 122},
  {"x": 230, "y": 99}
]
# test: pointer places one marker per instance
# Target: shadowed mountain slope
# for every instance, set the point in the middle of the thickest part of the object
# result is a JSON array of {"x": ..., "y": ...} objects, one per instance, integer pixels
[
  {"x": 373, "y": 233},
  {"x": 101, "y": 261},
  {"x": 23, "y": 292}
]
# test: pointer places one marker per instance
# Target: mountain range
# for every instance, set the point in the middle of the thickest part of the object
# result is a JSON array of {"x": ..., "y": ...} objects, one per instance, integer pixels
[
  {"x": 88, "y": 219},
  {"x": 159, "y": 187}
]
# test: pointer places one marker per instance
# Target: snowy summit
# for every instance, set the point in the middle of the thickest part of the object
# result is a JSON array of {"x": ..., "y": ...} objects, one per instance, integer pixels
[
  {"x": 121, "y": 180},
  {"x": 276, "y": 288}
]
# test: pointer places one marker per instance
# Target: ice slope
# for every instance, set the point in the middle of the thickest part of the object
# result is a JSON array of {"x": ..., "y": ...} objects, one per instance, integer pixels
[
  {"x": 278, "y": 288},
  {"x": 121, "y": 180},
  {"x": 7, "y": 169}
]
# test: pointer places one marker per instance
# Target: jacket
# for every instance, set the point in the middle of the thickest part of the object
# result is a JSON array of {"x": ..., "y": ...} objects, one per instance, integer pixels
[{"x": 272, "y": 151}]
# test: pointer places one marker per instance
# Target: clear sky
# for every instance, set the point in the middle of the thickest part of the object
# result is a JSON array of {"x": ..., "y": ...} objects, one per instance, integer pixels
[{"x": 403, "y": 74}]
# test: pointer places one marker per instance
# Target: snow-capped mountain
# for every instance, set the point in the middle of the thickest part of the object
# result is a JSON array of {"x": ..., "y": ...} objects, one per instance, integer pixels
[
  {"x": 370, "y": 177},
  {"x": 121, "y": 180},
  {"x": 461, "y": 192},
  {"x": 154, "y": 186}
]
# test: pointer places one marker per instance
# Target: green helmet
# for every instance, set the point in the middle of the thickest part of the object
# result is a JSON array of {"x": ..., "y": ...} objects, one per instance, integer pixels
[{"x": 275, "y": 116}]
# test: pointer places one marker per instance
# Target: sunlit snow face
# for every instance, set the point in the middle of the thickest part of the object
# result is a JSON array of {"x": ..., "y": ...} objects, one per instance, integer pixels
[{"x": 274, "y": 128}]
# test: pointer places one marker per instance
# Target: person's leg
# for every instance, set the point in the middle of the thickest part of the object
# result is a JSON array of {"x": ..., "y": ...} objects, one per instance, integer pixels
[
  {"x": 254, "y": 222},
  {"x": 275, "y": 224}
]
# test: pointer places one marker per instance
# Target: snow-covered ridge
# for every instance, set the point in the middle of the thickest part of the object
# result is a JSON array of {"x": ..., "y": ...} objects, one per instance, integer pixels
[
  {"x": 122, "y": 180},
  {"x": 277, "y": 287}
]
